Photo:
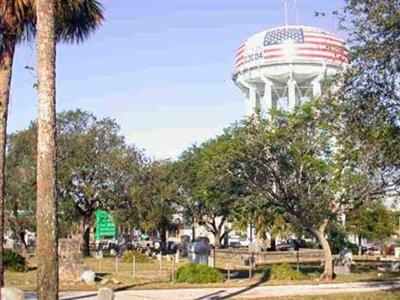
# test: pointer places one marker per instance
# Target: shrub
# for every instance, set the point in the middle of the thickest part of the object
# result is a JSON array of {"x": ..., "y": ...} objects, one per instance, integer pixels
[
  {"x": 198, "y": 274},
  {"x": 140, "y": 256},
  {"x": 13, "y": 261},
  {"x": 284, "y": 272}
]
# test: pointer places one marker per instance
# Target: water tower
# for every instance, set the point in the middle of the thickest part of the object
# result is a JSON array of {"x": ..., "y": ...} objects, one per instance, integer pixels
[{"x": 284, "y": 66}]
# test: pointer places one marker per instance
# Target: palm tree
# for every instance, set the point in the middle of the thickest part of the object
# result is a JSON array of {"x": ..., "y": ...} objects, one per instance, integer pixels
[
  {"x": 46, "y": 207},
  {"x": 75, "y": 20}
]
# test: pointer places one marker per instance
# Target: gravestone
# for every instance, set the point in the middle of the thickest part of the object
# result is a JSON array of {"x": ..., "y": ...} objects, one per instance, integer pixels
[
  {"x": 343, "y": 262},
  {"x": 71, "y": 265},
  {"x": 12, "y": 294},
  {"x": 397, "y": 252},
  {"x": 199, "y": 252},
  {"x": 105, "y": 294},
  {"x": 395, "y": 266},
  {"x": 88, "y": 276}
]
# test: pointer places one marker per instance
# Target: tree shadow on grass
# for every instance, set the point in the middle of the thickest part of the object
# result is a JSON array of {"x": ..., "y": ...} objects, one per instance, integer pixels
[
  {"x": 264, "y": 278},
  {"x": 119, "y": 289}
]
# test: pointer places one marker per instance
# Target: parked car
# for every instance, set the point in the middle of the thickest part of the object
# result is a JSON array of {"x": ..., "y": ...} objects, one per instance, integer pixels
[
  {"x": 108, "y": 247},
  {"x": 236, "y": 242},
  {"x": 150, "y": 247},
  {"x": 290, "y": 245},
  {"x": 371, "y": 249}
]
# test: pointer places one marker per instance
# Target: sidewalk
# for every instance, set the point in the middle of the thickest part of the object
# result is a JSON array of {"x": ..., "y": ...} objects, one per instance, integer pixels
[{"x": 251, "y": 292}]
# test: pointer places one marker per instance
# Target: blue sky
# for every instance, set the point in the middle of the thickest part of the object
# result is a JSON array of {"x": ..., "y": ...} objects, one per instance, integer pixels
[{"x": 160, "y": 68}]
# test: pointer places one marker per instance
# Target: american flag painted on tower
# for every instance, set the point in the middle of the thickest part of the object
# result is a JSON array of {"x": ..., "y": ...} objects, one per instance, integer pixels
[
  {"x": 292, "y": 43},
  {"x": 279, "y": 36}
]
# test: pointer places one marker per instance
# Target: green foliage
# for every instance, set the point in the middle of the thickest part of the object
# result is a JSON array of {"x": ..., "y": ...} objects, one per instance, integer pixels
[
  {"x": 369, "y": 99},
  {"x": 208, "y": 192},
  {"x": 140, "y": 257},
  {"x": 75, "y": 20},
  {"x": 294, "y": 161},
  {"x": 199, "y": 274},
  {"x": 96, "y": 169},
  {"x": 338, "y": 239},
  {"x": 20, "y": 185},
  {"x": 153, "y": 196},
  {"x": 13, "y": 261},
  {"x": 284, "y": 272},
  {"x": 372, "y": 221},
  {"x": 299, "y": 163}
]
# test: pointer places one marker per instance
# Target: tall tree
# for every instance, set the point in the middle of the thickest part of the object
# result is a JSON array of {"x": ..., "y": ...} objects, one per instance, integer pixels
[
  {"x": 75, "y": 21},
  {"x": 155, "y": 198},
  {"x": 208, "y": 190},
  {"x": 299, "y": 165},
  {"x": 20, "y": 188},
  {"x": 264, "y": 218},
  {"x": 372, "y": 221},
  {"x": 46, "y": 208},
  {"x": 96, "y": 167},
  {"x": 13, "y": 26},
  {"x": 369, "y": 97}
]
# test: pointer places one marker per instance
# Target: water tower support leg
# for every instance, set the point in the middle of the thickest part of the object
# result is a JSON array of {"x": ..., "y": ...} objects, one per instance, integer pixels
[
  {"x": 316, "y": 88},
  {"x": 291, "y": 94},
  {"x": 266, "y": 104},
  {"x": 251, "y": 101}
]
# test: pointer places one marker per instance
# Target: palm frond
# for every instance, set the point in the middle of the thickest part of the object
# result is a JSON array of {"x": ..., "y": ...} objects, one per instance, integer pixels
[
  {"x": 78, "y": 19},
  {"x": 17, "y": 19}
]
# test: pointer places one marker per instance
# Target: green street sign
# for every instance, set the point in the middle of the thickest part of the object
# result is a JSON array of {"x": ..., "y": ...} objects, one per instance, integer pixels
[{"x": 105, "y": 226}]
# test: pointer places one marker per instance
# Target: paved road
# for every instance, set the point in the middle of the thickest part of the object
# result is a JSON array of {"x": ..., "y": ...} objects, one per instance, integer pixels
[{"x": 252, "y": 292}]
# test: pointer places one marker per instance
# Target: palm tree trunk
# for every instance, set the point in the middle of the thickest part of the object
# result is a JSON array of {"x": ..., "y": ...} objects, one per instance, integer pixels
[
  {"x": 46, "y": 212},
  {"x": 6, "y": 62}
]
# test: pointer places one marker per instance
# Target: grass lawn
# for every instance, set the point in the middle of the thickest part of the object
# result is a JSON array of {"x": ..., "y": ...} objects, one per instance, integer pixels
[{"x": 149, "y": 276}]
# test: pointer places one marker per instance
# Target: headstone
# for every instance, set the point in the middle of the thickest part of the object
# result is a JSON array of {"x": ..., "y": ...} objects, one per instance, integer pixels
[
  {"x": 343, "y": 262},
  {"x": 397, "y": 252},
  {"x": 9, "y": 243},
  {"x": 105, "y": 294},
  {"x": 71, "y": 265},
  {"x": 88, "y": 276},
  {"x": 199, "y": 252},
  {"x": 210, "y": 262},
  {"x": 12, "y": 294},
  {"x": 346, "y": 254},
  {"x": 395, "y": 266}
]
